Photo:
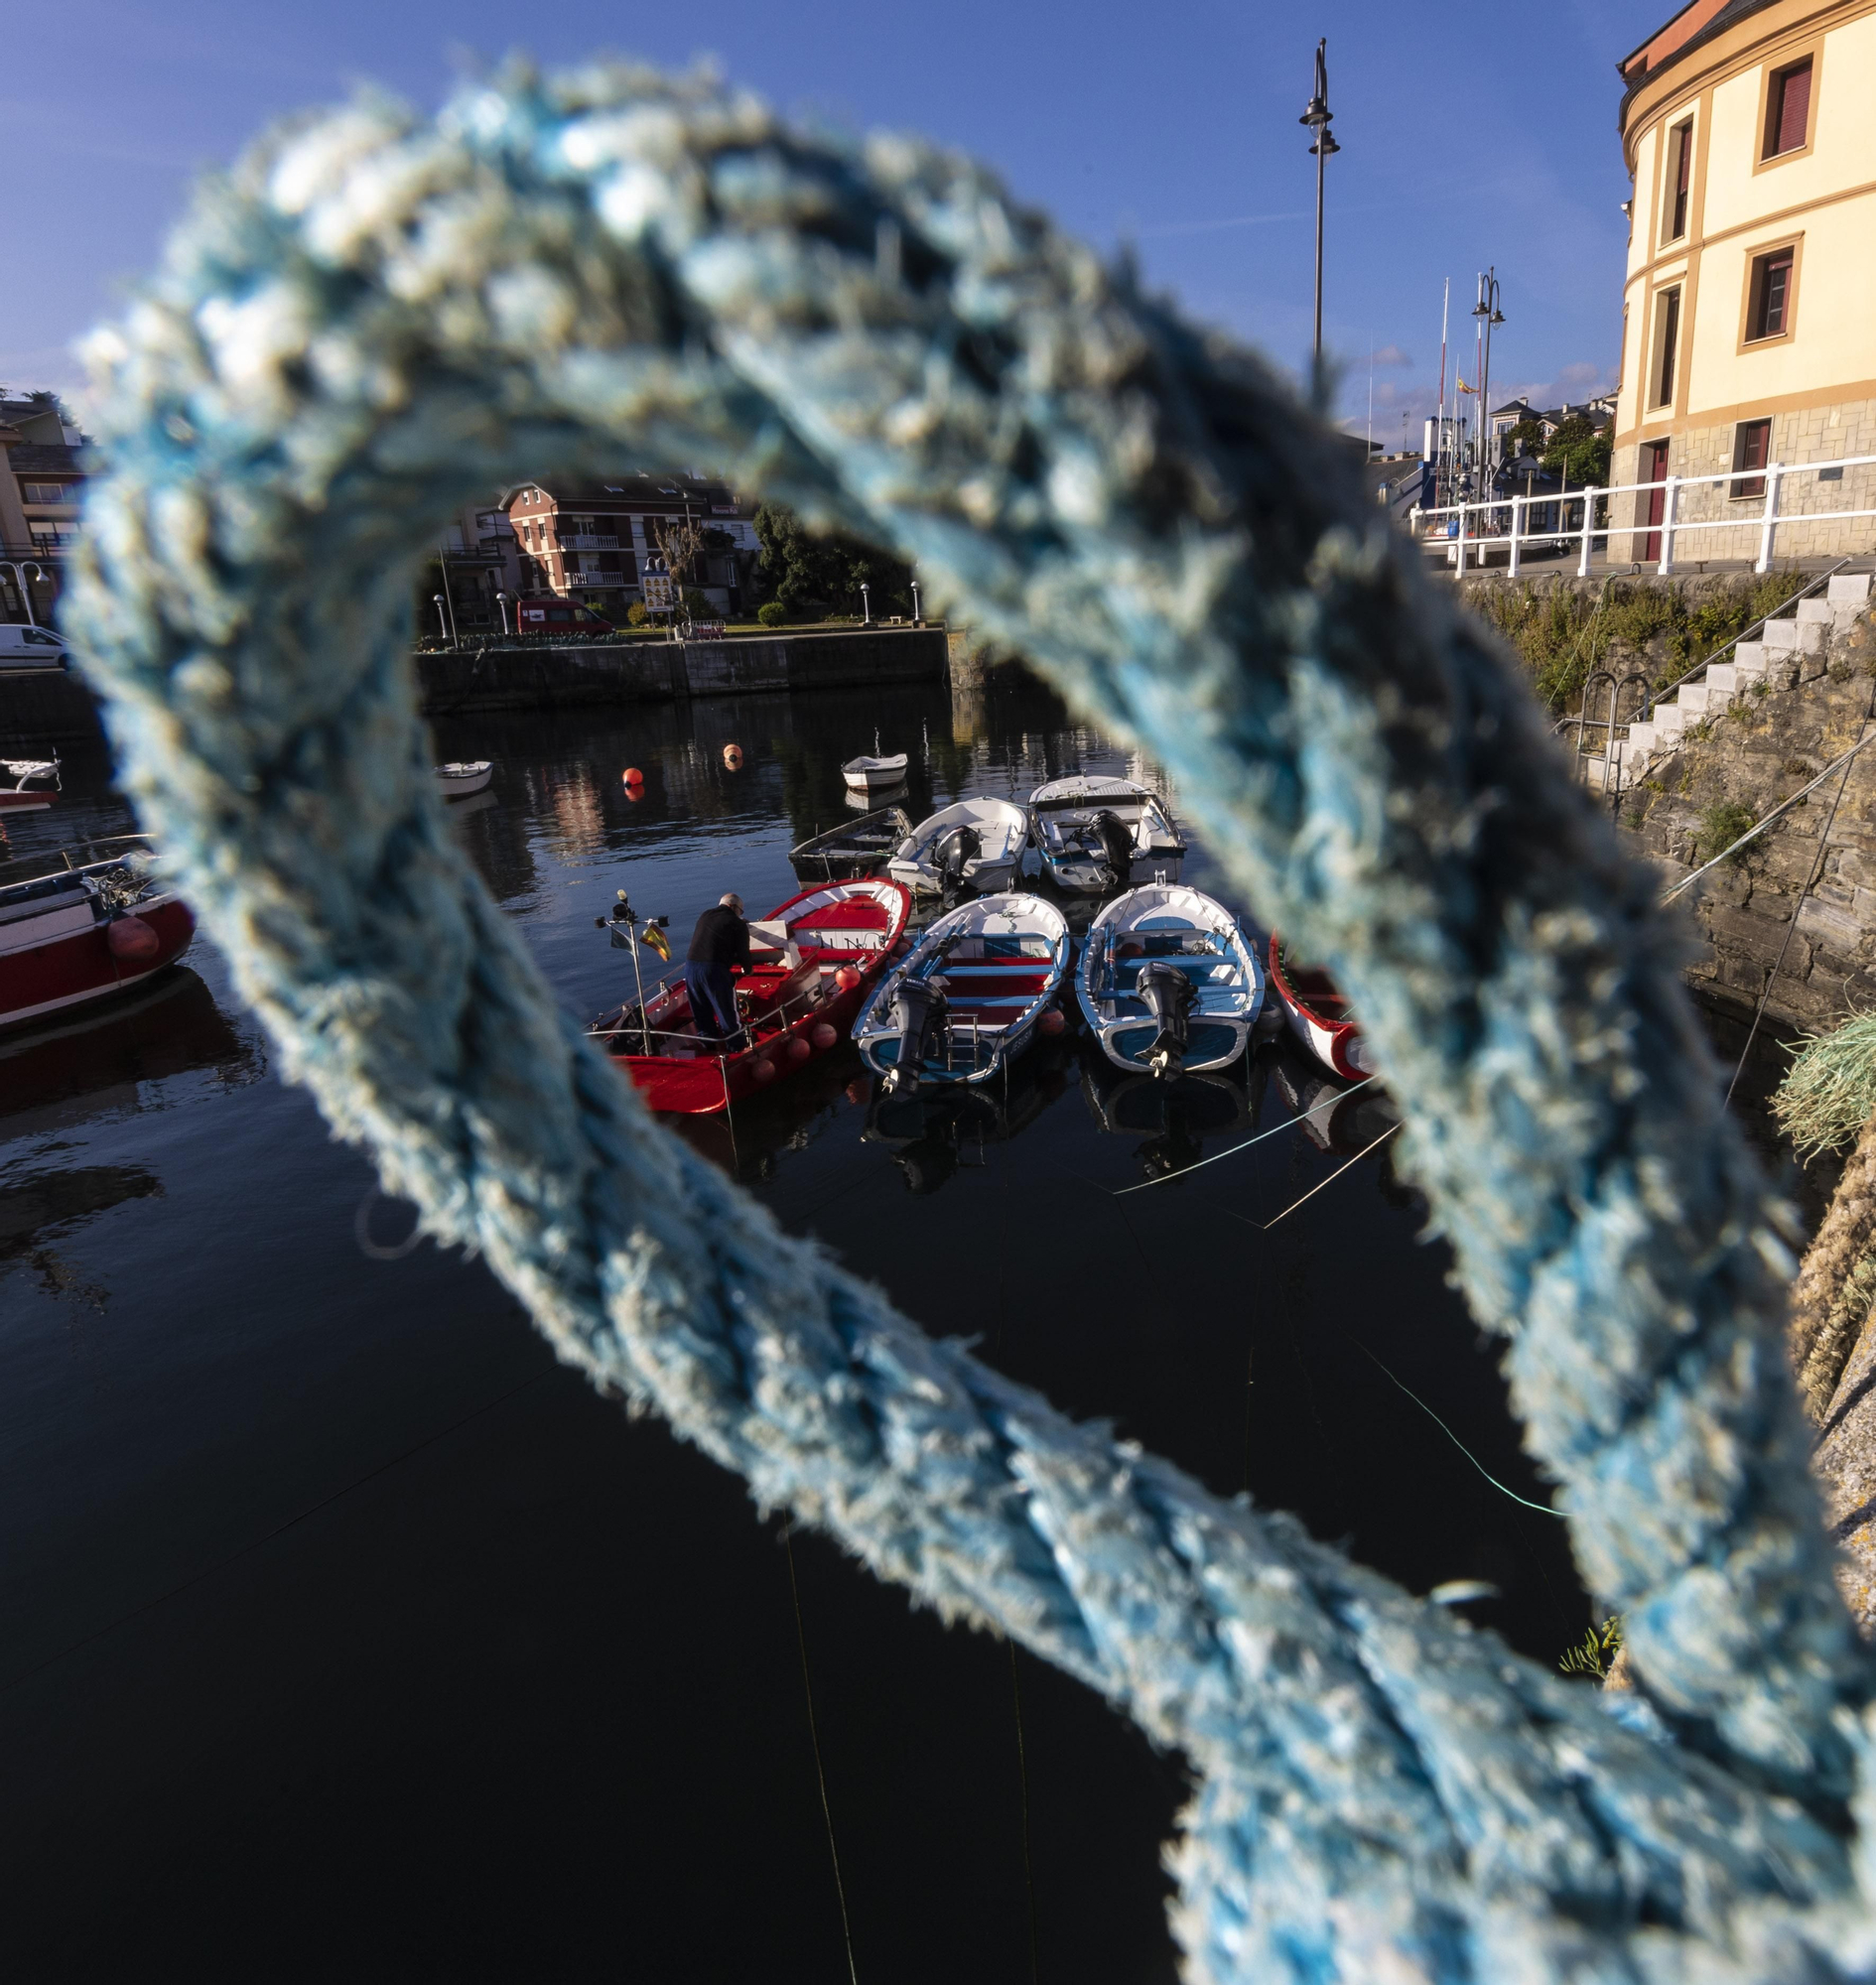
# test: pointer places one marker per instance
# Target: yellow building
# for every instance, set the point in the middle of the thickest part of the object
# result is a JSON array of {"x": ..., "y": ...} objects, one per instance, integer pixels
[{"x": 1749, "y": 314}]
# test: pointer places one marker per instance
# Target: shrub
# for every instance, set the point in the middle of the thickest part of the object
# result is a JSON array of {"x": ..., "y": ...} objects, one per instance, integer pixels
[
  {"x": 635, "y": 614},
  {"x": 1721, "y": 825},
  {"x": 771, "y": 614}
]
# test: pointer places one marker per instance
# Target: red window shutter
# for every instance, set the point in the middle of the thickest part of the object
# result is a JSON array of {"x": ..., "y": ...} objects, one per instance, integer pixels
[{"x": 1793, "y": 108}]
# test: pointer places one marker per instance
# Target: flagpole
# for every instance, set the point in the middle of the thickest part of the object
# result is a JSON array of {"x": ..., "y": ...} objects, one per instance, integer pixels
[{"x": 1440, "y": 433}]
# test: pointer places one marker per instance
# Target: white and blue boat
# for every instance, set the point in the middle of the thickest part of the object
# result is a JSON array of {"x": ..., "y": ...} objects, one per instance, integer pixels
[
  {"x": 971, "y": 995},
  {"x": 1097, "y": 835},
  {"x": 1169, "y": 982}
]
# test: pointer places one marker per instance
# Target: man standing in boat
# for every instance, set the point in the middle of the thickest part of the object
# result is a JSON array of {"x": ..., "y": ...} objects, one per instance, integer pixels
[{"x": 720, "y": 942}]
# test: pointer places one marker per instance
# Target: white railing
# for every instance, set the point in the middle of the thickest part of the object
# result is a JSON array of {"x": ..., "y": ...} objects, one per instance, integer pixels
[{"x": 1473, "y": 529}]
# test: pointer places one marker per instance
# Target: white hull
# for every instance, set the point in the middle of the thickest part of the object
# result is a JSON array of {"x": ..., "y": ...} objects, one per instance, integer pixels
[
  {"x": 1071, "y": 856},
  {"x": 1204, "y": 941},
  {"x": 459, "y": 781},
  {"x": 873, "y": 775},
  {"x": 1003, "y": 828}
]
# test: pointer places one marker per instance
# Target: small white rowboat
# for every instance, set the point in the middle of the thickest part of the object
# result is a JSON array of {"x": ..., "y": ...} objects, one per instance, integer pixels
[
  {"x": 459, "y": 780},
  {"x": 873, "y": 775}
]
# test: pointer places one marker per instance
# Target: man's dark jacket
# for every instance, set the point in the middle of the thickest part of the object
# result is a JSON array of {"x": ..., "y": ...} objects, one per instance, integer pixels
[{"x": 720, "y": 938}]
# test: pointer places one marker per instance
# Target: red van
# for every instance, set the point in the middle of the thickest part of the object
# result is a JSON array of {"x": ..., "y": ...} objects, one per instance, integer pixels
[{"x": 548, "y": 614}]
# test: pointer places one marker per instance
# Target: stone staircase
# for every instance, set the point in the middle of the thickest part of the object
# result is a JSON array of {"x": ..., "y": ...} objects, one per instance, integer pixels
[{"x": 1787, "y": 651}]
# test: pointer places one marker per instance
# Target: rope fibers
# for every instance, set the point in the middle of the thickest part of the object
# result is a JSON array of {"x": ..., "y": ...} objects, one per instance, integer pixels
[{"x": 372, "y": 321}]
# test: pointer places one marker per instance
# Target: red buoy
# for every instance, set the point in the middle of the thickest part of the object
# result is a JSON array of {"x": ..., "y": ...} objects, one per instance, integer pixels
[
  {"x": 633, "y": 776},
  {"x": 846, "y": 979},
  {"x": 762, "y": 1071},
  {"x": 826, "y": 1033},
  {"x": 733, "y": 757},
  {"x": 798, "y": 1049},
  {"x": 131, "y": 940},
  {"x": 1052, "y": 1022}
]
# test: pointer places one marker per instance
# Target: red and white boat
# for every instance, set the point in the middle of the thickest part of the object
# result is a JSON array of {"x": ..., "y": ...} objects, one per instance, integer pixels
[
  {"x": 86, "y": 931},
  {"x": 813, "y": 960},
  {"x": 1320, "y": 1017},
  {"x": 27, "y": 785}
]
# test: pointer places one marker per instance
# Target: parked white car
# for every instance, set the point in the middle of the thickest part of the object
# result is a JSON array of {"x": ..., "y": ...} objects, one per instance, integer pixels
[{"x": 23, "y": 647}]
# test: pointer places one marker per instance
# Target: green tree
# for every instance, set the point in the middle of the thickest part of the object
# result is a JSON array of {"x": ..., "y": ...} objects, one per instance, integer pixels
[
  {"x": 1527, "y": 437},
  {"x": 804, "y": 569},
  {"x": 1581, "y": 450}
]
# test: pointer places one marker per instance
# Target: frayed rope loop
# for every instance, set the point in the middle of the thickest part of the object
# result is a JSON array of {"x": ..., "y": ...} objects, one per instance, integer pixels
[{"x": 373, "y": 320}]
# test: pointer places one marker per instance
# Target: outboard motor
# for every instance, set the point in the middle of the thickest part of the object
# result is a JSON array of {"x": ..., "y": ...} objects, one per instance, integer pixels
[
  {"x": 953, "y": 851},
  {"x": 1168, "y": 995},
  {"x": 923, "y": 1019},
  {"x": 1113, "y": 847}
]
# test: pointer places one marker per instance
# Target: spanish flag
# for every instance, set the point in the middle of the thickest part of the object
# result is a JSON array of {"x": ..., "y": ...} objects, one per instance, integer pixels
[
  {"x": 1464, "y": 388},
  {"x": 653, "y": 939}
]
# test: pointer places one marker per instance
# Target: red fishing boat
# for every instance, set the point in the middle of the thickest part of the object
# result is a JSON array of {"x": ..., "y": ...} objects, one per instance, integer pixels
[
  {"x": 1320, "y": 1017},
  {"x": 87, "y": 930},
  {"x": 812, "y": 961}
]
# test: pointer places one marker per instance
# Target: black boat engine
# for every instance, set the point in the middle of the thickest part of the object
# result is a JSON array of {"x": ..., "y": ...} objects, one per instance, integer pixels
[
  {"x": 961, "y": 845},
  {"x": 1111, "y": 845},
  {"x": 1168, "y": 995},
  {"x": 923, "y": 1019}
]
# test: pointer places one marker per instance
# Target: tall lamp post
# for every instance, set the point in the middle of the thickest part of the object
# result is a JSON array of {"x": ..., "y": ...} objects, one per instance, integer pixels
[
  {"x": 501, "y": 607},
  {"x": 1317, "y": 118},
  {"x": 866, "y": 603},
  {"x": 1488, "y": 313}
]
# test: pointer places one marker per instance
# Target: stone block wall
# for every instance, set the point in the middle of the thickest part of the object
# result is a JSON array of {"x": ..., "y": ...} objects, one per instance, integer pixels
[
  {"x": 1811, "y": 433},
  {"x": 1796, "y": 899}
]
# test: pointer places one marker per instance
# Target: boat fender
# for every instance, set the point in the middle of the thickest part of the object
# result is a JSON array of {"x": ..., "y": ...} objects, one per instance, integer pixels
[
  {"x": 824, "y": 1034},
  {"x": 1167, "y": 995},
  {"x": 1052, "y": 1023},
  {"x": 798, "y": 1049},
  {"x": 131, "y": 940},
  {"x": 763, "y": 1069},
  {"x": 846, "y": 979}
]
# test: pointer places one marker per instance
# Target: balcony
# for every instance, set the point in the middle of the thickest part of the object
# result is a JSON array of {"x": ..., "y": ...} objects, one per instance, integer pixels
[
  {"x": 597, "y": 578},
  {"x": 587, "y": 541}
]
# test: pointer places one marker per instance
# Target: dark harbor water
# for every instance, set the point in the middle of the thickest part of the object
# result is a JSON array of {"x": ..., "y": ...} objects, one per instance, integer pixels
[{"x": 348, "y": 1637}]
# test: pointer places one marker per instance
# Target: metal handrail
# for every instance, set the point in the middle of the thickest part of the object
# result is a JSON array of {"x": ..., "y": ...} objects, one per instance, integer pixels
[{"x": 1757, "y": 626}]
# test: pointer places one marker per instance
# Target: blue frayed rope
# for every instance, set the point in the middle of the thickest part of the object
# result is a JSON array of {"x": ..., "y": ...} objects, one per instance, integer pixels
[{"x": 374, "y": 320}]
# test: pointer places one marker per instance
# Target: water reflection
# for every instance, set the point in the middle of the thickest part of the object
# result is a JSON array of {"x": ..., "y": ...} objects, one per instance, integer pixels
[
  {"x": 1173, "y": 1120},
  {"x": 938, "y": 1130}
]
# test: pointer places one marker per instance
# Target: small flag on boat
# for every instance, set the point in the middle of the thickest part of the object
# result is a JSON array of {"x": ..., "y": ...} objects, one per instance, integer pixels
[{"x": 653, "y": 939}]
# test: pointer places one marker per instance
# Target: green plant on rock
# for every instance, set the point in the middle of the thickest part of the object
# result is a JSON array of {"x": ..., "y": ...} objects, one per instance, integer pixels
[
  {"x": 1594, "y": 1654},
  {"x": 1721, "y": 823},
  {"x": 1829, "y": 1092}
]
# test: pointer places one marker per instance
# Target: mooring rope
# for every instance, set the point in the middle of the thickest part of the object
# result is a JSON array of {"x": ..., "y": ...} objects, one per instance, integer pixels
[{"x": 372, "y": 321}]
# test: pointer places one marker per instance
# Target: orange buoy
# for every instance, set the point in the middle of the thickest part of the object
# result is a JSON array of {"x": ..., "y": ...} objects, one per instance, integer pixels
[
  {"x": 633, "y": 776},
  {"x": 635, "y": 793},
  {"x": 826, "y": 1033},
  {"x": 763, "y": 1070},
  {"x": 131, "y": 940},
  {"x": 1052, "y": 1022},
  {"x": 798, "y": 1049},
  {"x": 733, "y": 757},
  {"x": 846, "y": 979}
]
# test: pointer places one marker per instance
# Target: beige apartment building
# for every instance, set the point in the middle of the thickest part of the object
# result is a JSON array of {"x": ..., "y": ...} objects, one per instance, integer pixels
[{"x": 1749, "y": 313}]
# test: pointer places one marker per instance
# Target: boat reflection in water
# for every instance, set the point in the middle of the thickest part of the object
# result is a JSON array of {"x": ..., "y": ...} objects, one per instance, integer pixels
[
  {"x": 750, "y": 1140},
  {"x": 940, "y": 1128},
  {"x": 87, "y": 1069},
  {"x": 1342, "y": 1118},
  {"x": 1172, "y": 1118}
]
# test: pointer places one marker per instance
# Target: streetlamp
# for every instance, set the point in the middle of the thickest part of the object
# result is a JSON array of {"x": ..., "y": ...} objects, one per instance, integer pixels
[
  {"x": 443, "y": 624},
  {"x": 1317, "y": 118},
  {"x": 866, "y": 604},
  {"x": 501, "y": 607},
  {"x": 918, "y": 619},
  {"x": 1488, "y": 313}
]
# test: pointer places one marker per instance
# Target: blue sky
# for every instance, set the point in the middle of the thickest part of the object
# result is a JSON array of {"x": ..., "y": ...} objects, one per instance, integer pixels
[{"x": 1463, "y": 144}]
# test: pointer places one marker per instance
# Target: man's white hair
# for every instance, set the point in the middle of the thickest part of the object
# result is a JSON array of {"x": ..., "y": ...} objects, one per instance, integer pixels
[{"x": 730, "y": 901}]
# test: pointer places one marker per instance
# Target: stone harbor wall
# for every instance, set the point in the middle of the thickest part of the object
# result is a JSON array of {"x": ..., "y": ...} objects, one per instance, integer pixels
[{"x": 1817, "y": 697}]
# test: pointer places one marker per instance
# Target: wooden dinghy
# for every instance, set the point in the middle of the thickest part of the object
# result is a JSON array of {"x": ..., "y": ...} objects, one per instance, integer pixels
[
  {"x": 975, "y": 844},
  {"x": 1169, "y": 982},
  {"x": 812, "y": 960},
  {"x": 874, "y": 775},
  {"x": 1319, "y": 1015},
  {"x": 859, "y": 846},
  {"x": 1097, "y": 835},
  {"x": 972, "y": 995}
]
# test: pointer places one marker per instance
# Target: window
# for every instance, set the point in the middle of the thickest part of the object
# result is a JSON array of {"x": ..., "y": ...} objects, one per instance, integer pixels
[
  {"x": 1666, "y": 344},
  {"x": 1680, "y": 179},
  {"x": 49, "y": 492},
  {"x": 52, "y": 537},
  {"x": 1752, "y": 449},
  {"x": 1788, "y": 110},
  {"x": 1769, "y": 298}
]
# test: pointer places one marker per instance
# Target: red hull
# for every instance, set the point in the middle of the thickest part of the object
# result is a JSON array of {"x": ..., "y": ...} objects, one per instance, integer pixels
[
  {"x": 69, "y": 970},
  {"x": 1318, "y": 1017},
  {"x": 853, "y": 925}
]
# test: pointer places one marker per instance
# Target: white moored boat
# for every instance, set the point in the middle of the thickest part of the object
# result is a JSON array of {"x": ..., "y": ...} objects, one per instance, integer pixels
[
  {"x": 1169, "y": 982},
  {"x": 973, "y": 844},
  {"x": 459, "y": 780},
  {"x": 873, "y": 775},
  {"x": 27, "y": 785},
  {"x": 971, "y": 995},
  {"x": 1097, "y": 835}
]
